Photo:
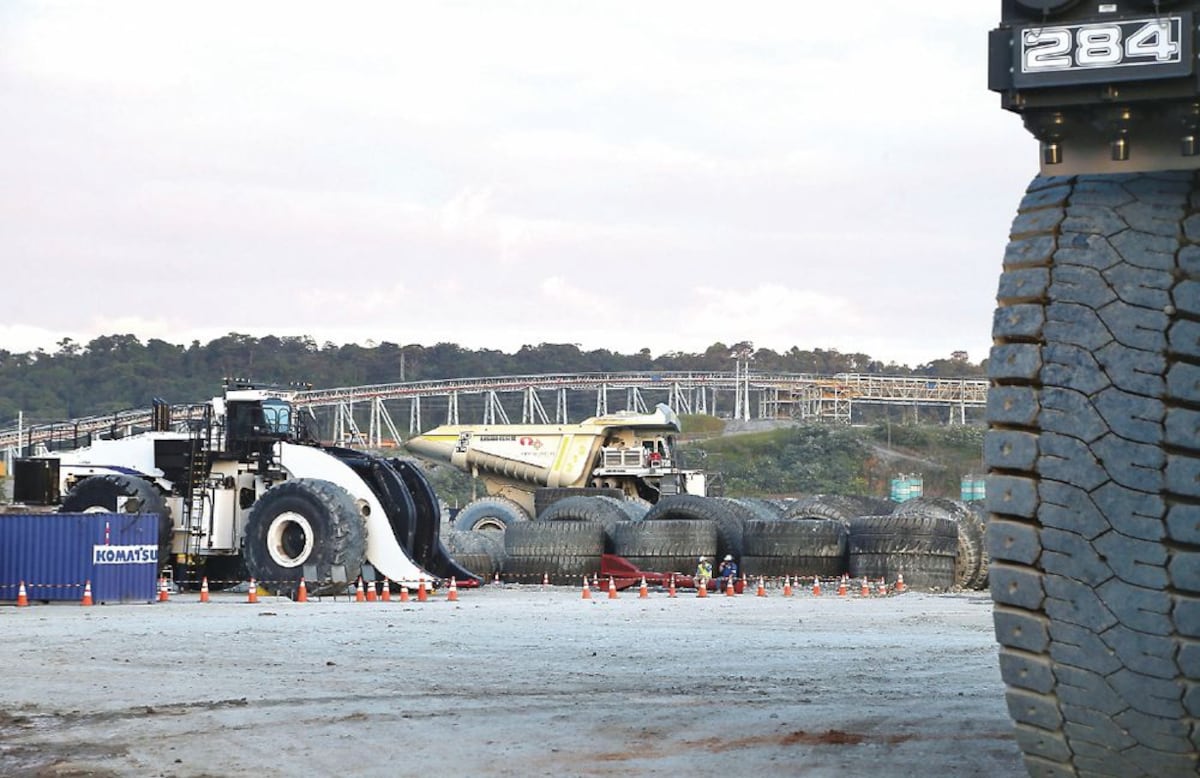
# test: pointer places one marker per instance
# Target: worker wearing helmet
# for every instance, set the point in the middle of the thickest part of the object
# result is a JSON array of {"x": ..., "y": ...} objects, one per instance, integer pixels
[
  {"x": 727, "y": 573},
  {"x": 703, "y": 572}
]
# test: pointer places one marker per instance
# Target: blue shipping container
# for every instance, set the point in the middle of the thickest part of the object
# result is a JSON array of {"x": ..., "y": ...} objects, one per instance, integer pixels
[{"x": 55, "y": 554}]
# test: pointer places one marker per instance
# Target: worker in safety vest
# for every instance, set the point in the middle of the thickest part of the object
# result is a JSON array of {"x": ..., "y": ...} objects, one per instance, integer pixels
[{"x": 703, "y": 572}]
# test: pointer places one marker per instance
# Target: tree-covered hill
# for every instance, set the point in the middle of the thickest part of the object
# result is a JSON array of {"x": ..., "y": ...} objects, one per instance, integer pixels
[{"x": 115, "y": 372}]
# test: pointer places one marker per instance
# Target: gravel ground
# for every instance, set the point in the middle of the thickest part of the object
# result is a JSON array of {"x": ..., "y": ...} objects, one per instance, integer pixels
[{"x": 508, "y": 681}]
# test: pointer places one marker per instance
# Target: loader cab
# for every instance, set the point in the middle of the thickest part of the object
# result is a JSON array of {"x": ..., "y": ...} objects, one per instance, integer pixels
[{"x": 254, "y": 423}]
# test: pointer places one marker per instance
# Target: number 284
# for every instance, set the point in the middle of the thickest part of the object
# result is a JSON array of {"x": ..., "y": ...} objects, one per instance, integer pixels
[{"x": 1098, "y": 45}]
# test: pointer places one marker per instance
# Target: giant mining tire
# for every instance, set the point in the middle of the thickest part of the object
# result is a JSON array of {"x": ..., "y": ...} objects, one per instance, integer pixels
[
  {"x": 666, "y": 546},
  {"x": 921, "y": 548},
  {"x": 478, "y": 551},
  {"x": 803, "y": 547},
  {"x": 101, "y": 493},
  {"x": 966, "y": 523},
  {"x": 842, "y": 507},
  {"x": 1093, "y": 456},
  {"x": 306, "y": 522},
  {"x": 564, "y": 551},
  {"x": 696, "y": 508},
  {"x": 490, "y": 513},
  {"x": 602, "y": 510},
  {"x": 546, "y": 496}
]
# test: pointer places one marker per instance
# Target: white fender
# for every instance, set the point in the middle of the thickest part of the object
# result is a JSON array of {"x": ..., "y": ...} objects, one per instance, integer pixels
[{"x": 383, "y": 552}]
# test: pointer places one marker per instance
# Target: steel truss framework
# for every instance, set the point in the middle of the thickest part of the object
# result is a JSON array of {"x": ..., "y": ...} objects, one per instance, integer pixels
[{"x": 828, "y": 398}]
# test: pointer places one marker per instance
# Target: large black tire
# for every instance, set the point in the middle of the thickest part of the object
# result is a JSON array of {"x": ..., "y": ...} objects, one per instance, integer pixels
[
  {"x": 546, "y": 496},
  {"x": 842, "y": 507},
  {"x": 480, "y": 552},
  {"x": 490, "y": 513},
  {"x": 303, "y": 523},
  {"x": 666, "y": 546},
  {"x": 102, "y": 492},
  {"x": 1094, "y": 475},
  {"x": 970, "y": 534},
  {"x": 563, "y": 550},
  {"x": 921, "y": 548},
  {"x": 602, "y": 510},
  {"x": 802, "y": 547},
  {"x": 696, "y": 508}
]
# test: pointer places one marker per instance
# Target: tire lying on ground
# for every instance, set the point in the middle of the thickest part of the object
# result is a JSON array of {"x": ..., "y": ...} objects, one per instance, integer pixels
[
  {"x": 803, "y": 547},
  {"x": 479, "y": 551},
  {"x": 697, "y": 508},
  {"x": 547, "y": 496},
  {"x": 842, "y": 507},
  {"x": 305, "y": 522},
  {"x": 1094, "y": 474},
  {"x": 921, "y": 548},
  {"x": 135, "y": 495},
  {"x": 489, "y": 513},
  {"x": 602, "y": 510},
  {"x": 967, "y": 569},
  {"x": 672, "y": 546},
  {"x": 563, "y": 550}
]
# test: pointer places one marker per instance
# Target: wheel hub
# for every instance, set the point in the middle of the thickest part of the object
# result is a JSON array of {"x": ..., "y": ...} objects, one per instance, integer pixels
[{"x": 290, "y": 539}]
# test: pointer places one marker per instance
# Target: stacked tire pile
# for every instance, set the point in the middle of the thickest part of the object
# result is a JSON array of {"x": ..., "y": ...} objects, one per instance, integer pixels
[{"x": 935, "y": 543}]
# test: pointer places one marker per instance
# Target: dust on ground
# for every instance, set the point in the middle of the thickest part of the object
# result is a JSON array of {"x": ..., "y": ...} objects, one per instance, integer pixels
[{"x": 520, "y": 681}]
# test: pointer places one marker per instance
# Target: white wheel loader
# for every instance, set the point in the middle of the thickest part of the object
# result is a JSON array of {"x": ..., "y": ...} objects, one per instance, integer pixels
[{"x": 243, "y": 491}]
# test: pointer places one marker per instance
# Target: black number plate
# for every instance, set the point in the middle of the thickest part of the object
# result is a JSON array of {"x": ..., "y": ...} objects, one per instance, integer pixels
[{"x": 1117, "y": 50}]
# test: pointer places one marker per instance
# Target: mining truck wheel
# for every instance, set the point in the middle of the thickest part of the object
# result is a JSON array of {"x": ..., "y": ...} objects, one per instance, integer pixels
[
  {"x": 714, "y": 509},
  {"x": 666, "y": 546},
  {"x": 307, "y": 522},
  {"x": 480, "y": 552},
  {"x": 921, "y": 548},
  {"x": 799, "y": 547},
  {"x": 841, "y": 507},
  {"x": 1093, "y": 457},
  {"x": 605, "y": 511},
  {"x": 102, "y": 492},
  {"x": 490, "y": 513},
  {"x": 563, "y": 551},
  {"x": 968, "y": 526}
]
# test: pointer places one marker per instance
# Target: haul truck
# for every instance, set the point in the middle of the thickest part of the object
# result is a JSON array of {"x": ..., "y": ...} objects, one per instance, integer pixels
[
  {"x": 634, "y": 453},
  {"x": 243, "y": 491},
  {"x": 1093, "y": 449}
]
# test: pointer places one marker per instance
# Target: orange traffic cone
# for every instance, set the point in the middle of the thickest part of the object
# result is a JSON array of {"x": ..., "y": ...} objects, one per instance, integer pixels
[
  {"x": 252, "y": 592},
  {"x": 87, "y": 593},
  {"x": 163, "y": 594},
  {"x": 900, "y": 587},
  {"x": 371, "y": 593},
  {"x": 729, "y": 592},
  {"x": 612, "y": 588},
  {"x": 385, "y": 590},
  {"x": 360, "y": 594},
  {"x": 204, "y": 588},
  {"x": 701, "y": 587},
  {"x": 816, "y": 586},
  {"x": 787, "y": 586},
  {"x": 496, "y": 578},
  {"x": 587, "y": 592},
  {"x": 643, "y": 592},
  {"x": 866, "y": 588},
  {"x": 422, "y": 594},
  {"x": 452, "y": 592},
  {"x": 22, "y": 597},
  {"x": 671, "y": 587},
  {"x": 404, "y": 593},
  {"x": 843, "y": 587},
  {"x": 882, "y": 587},
  {"x": 545, "y": 579},
  {"x": 762, "y": 588},
  {"x": 302, "y": 591}
]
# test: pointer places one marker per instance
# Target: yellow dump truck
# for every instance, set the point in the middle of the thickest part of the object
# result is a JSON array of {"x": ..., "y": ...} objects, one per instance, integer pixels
[{"x": 627, "y": 451}]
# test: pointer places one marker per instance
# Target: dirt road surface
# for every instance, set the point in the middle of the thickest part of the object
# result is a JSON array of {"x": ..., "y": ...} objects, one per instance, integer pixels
[{"x": 520, "y": 681}]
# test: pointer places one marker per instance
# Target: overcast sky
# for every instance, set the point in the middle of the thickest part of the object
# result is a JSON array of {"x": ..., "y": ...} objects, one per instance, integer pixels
[{"x": 613, "y": 174}]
